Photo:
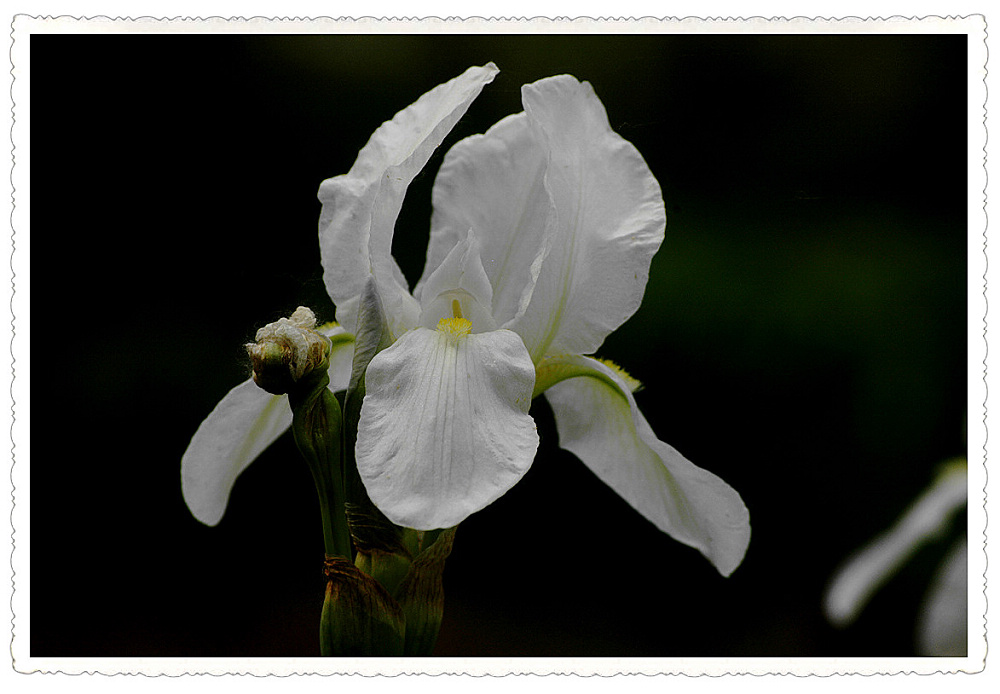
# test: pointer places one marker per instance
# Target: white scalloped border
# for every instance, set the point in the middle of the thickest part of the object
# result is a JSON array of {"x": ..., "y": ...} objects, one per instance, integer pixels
[{"x": 24, "y": 25}]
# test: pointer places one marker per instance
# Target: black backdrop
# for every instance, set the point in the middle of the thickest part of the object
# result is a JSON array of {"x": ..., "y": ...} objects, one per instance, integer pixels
[{"x": 803, "y": 333}]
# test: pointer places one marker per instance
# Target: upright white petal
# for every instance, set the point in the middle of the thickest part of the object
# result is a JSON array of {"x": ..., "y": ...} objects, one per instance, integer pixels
[
  {"x": 598, "y": 420},
  {"x": 245, "y": 422},
  {"x": 444, "y": 428},
  {"x": 360, "y": 208},
  {"x": 610, "y": 222},
  {"x": 494, "y": 183}
]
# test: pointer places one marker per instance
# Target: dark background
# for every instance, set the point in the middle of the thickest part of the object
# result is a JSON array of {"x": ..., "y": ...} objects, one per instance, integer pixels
[{"x": 803, "y": 333}]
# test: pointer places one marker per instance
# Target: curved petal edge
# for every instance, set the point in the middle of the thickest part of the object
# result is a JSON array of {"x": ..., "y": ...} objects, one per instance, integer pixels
[
  {"x": 598, "y": 420},
  {"x": 245, "y": 422}
]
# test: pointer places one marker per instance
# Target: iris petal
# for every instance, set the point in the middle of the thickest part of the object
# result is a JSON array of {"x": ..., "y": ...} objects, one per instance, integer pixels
[
  {"x": 245, "y": 422},
  {"x": 360, "y": 208},
  {"x": 494, "y": 183},
  {"x": 610, "y": 222},
  {"x": 460, "y": 277},
  {"x": 598, "y": 420},
  {"x": 943, "y": 623},
  {"x": 444, "y": 427}
]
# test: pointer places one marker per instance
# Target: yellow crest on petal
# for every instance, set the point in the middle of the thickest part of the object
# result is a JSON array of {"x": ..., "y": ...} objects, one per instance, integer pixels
[{"x": 455, "y": 327}]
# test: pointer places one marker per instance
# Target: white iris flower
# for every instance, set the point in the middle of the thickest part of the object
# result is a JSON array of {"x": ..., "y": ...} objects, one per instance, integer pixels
[{"x": 541, "y": 240}]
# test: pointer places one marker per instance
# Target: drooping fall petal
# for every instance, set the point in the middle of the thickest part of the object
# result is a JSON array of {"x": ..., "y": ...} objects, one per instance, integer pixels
[
  {"x": 245, "y": 422},
  {"x": 598, "y": 420},
  {"x": 242, "y": 425},
  {"x": 444, "y": 428}
]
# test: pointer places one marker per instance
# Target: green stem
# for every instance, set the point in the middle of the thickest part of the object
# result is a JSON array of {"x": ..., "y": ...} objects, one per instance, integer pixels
[
  {"x": 336, "y": 537},
  {"x": 317, "y": 429}
]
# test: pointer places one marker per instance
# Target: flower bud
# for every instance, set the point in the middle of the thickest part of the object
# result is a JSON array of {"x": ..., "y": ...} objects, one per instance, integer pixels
[{"x": 288, "y": 350}]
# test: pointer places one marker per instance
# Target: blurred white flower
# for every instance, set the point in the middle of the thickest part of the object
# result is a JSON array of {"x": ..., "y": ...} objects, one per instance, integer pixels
[{"x": 943, "y": 618}]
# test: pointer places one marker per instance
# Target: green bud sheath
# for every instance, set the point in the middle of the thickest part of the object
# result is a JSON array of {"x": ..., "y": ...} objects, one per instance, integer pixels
[
  {"x": 381, "y": 552},
  {"x": 421, "y": 594},
  {"x": 359, "y": 617}
]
